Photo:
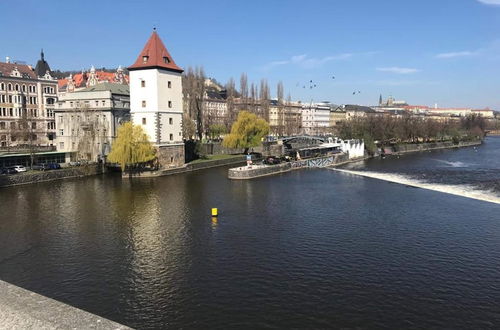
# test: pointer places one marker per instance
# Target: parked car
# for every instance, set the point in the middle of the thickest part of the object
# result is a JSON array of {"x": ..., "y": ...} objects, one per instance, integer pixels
[
  {"x": 75, "y": 163},
  {"x": 41, "y": 167},
  {"x": 54, "y": 166},
  {"x": 7, "y": 170},
  {"x": 18, "y": 168}
]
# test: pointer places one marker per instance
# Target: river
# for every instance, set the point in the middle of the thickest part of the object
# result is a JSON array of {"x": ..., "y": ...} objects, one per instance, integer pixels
[{"x": 307, "y": 249}]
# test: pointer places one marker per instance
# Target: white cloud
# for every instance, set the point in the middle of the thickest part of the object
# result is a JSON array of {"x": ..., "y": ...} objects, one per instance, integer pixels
[
  {"x": 457, "y": 54},
  {"x": 490, "y": 2},
  {"x": 398, "y": 70},
  {"x": 306, "y": 62}
]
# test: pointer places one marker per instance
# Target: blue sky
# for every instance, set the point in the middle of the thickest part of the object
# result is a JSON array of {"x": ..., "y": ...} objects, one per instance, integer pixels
[{"x": 422, "y": 51}]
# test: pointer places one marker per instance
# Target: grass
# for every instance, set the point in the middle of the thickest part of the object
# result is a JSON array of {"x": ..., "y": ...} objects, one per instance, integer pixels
[{"x": 209, "y": 158}]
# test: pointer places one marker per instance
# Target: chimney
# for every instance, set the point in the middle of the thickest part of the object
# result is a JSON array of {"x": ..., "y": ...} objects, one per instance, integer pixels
[{"x": 7, "y": 59}]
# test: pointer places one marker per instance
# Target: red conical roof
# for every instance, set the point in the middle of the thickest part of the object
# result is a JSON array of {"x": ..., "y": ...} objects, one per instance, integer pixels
[{"x": 155, "y": 55}]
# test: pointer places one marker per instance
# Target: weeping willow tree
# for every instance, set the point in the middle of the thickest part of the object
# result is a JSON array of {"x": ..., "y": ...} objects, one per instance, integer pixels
[
  {"x": 131, "y": 147},
  {"x": 246, "y": 132}
]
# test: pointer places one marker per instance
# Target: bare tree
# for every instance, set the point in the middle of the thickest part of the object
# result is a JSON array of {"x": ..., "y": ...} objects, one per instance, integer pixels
[
  {"x": 281, "y": 106},
  {"x": 24, "y": 131},
  {"x": 232, "y": 112},
  {"x": 264, "y": 99},
  {"x": 90, "y": 132},
  {"x": 244, "y": 90},
  {"x": 193, "y": 84}
]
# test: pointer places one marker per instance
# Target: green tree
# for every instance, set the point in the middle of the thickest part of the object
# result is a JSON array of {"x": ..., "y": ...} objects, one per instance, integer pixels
[
  {"x": 247, "y": 131},
  {"x": 216, "y": 131},
  {"x": 131, "y": 147}
]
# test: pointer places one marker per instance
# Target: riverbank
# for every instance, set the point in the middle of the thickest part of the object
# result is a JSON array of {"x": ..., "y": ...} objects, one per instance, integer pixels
[
  {"x": 45, "y": 176},
  {"x": 407, "y": 148},
  {"x": 23, "y": 309},
  {"x": 192, "y": 166}
]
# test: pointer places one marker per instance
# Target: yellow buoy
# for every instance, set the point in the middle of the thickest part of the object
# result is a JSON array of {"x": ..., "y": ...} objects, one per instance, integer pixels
[{"x": 214, "y": 212}]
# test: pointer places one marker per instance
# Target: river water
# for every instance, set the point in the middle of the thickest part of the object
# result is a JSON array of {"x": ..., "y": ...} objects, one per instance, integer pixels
[{"x": 306, "y": 249}]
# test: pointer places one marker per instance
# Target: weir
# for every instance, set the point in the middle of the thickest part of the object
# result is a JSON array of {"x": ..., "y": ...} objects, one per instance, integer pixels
[{"x": 458, "y": 190}]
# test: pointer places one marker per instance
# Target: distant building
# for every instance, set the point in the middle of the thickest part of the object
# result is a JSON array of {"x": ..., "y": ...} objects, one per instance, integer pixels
[
  {"x": 316, "y": 118},
  {"x": 337, "y": 116},
  {"x": 87, "y": 79},
  {"x": 285, "y": 119},
  {"x": 87, "y": 120},
  {"x": 214, "y": 108},
  {"x": 27, "y": 101},
  {"x": 156, "y": 100}
]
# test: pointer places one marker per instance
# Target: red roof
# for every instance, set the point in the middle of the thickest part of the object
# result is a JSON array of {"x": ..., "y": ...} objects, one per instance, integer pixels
[
  {"x": 155, "y": 55},
  {"x": 80, "y": 79}
]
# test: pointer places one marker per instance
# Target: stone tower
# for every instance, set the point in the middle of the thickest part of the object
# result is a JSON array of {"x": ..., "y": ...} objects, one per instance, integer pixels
[{"x": 156, "y": 100}]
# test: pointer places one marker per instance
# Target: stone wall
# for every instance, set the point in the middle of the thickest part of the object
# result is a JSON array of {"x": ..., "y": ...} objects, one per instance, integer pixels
[
  {"x": 42, "y": 176},
  {"x": 170, "y": 156},
  {"x": 404, "y": 148}
]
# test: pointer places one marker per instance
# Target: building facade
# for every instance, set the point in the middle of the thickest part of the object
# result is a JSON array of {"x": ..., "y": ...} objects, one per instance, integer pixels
[
  {"x": 87, "y": 120},
  {"x": 27, "y": 102},
  {"x": 316, "y": 118},
  {"x": 156, "y": 100}
]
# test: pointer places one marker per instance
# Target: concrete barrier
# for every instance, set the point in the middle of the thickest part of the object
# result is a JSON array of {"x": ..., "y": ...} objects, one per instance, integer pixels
[{"x": 23, "y": 309}]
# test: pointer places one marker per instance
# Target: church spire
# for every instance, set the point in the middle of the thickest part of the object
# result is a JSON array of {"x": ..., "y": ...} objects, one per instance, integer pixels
[
  {"x": 41, "y": 55},
  {"x": 380, "y": 100}
]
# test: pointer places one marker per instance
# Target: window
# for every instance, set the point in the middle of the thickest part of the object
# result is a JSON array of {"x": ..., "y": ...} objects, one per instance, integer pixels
[
  {"x": 171, "y": 121},
  {"x": 24, "y": 88},
  {"x": 61, "y": 132},
  {"x": 2, "y": 86},
  {"x": 143, "y": 83},
  {"x": 169, "y": 104},
  {"x": 61, "y": 145},
  {"x": 145, "y": 59},
  {"x": 143, "y": 104},
  {"x": 17, "y": 87},
  {"x": 144, "y": 121},
  {"x": 103, "y": 102},
  {"x": 2, "y": 125},
  {"x": 9, "y": 87},
  {"x": 171, "y": 137},
  {"x": 171, "y": 159},
  {"x": 169, "y": 84},
  {"x": 33, "y": 125},
  {"x": 60, "y": 119},
  {"x": 96, "y": 103},
  {"x": 166, "y": 60}
]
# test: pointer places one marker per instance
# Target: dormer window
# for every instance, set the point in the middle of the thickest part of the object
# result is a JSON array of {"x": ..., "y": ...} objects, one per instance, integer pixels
[
  {"x": 166, "y": 60},
  {"x": 145, "y": 59}
]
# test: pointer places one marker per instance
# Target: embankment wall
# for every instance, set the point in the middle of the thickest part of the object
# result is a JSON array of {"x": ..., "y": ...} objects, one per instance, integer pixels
[{"x": 43, "y": 176}]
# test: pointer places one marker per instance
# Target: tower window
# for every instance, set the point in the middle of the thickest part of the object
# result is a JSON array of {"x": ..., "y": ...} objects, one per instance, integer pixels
[
  {"x": 145, "y": 59},
  {"x": 144, "y": 121},
  {"x": 169, "y": 104},
  {"x": 171, "y": 137},
  {"x": 166, "y": 60},
  {"x": 143, "y": 83},
  {"x": 171, "y": 121},
  {"x": 143, "y": 104},
  {"x": 169, "y": 84}
]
